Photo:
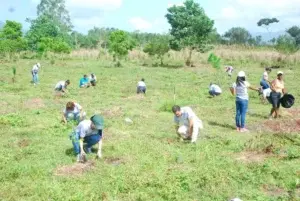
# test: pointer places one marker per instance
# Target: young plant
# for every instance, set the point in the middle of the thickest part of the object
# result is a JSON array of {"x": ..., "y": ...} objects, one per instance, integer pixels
[{"x": 14, "y": 71}]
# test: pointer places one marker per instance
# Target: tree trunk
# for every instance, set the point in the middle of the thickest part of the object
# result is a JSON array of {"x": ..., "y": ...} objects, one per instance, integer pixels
[{"x": 189, "y": 59}]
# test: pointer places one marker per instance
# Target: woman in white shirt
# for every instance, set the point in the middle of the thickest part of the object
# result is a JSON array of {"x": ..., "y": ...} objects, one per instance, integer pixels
[
  {"x": 73, "y": 111},
  {"x": 240, "y": 89}
]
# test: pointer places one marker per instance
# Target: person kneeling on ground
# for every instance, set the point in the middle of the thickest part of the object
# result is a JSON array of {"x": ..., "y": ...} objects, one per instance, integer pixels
[
  {"x": 141, "y": 86},
  {"x": 277, "y": 87},
  {"x": 264, "y": 83},
  {"x": 187, "y": 123},
  {"x": 61, "y": 87},
  {"x": 84, "y": 82},
  {"x": 73, "y": 111},
  {"x": 229, "y": 70},
  {"x": 214, "y": 90},
  {"x": 93, "y": 79},
  {"x": 89, "y": 132}
]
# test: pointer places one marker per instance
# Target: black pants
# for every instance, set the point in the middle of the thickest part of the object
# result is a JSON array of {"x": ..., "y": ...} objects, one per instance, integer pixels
[
  {"x": 141, "y": 90},
  {"x": 275, "y": 99}
]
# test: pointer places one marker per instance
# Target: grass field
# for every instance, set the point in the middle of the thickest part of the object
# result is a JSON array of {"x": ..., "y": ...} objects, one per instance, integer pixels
[{"x": 144, "y": 160}]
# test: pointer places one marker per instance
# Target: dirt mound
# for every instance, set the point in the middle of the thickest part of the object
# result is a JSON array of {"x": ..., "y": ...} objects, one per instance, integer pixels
[
  {"x": 23, "y": 143},
  {"x": 114, "y": 161},
  {"x": 76, "y": 169},
  {"x": 34, "y": 103},
  {"x": 113, "y": 112},
  {"x": 274, "y": 191},
  {"x": 251, "y": 157},
  {"x": 282, "y": 126}
]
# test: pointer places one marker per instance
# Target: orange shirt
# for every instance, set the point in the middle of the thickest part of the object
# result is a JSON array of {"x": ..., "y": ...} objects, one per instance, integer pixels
[{"x": 278, "y": 85}]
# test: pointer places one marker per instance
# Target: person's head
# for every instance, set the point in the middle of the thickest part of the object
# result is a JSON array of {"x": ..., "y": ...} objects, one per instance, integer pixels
[
  {"x": 143, "y": 80},
  {"x": 70, "y": 106},
  {"x": 68, "y": 82},
  {"x": 241, "y": 78},
  {"x": 269, "y": 70},
  {"x": 85, "y": 76},
  {"x": 280, "y": 75},
  {"x": 97, "y": 122},
  {"x": 176, "y": 110},
  {"x": 92, "y": 75}
]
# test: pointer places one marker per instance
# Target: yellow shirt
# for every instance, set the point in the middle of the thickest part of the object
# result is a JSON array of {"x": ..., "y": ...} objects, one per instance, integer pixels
[{"x": 278, "y": 85}]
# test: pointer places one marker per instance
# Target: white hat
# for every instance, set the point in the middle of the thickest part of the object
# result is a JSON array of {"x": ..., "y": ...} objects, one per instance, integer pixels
[
  {"x": 241, "y": 74},
  {"x": 279, "y": 72}
]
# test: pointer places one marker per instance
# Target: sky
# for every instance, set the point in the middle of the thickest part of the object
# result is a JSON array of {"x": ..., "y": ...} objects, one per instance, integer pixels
[{"x": 148, "y": 15}]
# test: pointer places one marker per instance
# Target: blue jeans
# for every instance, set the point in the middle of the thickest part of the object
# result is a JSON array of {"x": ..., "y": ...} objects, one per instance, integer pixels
[
  {"x": 35, "y": 78},
  {"x": 89, "y": 140},
  {"x": 241, "y": 110}
]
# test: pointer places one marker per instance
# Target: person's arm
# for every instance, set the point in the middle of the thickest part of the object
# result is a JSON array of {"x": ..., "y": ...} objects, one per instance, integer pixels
[
  {"x": 81, "y": 146},
  {"x": 253, "y": 88},
  {"x": 64, "y": 117},
  {"x": 191, "y": 126},
  {"x": 232, "y": 90}
]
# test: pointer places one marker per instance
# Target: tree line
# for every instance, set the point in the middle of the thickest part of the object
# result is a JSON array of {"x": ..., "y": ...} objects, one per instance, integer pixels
[{"x": 191, "y": 28}]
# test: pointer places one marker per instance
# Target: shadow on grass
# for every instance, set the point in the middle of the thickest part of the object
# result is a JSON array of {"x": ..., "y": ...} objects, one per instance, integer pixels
[
  {"x": 223, "y": 125},
  {"x": 70, "y": 152},
  {"x": 257, "y": 115}
]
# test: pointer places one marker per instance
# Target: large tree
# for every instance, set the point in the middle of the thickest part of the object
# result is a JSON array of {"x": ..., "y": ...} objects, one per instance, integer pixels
[
  {"x": 266, "y": 22},
  {"x": 294, "y": 32},
  {"x": 55, "y": 10},
  {"x": 238, "y": 35},
  {"x": 190, "y": 27}
]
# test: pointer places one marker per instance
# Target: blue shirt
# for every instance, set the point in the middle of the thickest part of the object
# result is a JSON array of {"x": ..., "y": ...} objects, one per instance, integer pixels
[{"x": 83, "y": 81}]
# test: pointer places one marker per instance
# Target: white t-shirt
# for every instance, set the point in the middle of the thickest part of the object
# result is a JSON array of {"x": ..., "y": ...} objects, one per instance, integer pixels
[
  {"x": 141, "y": 84},
  {"x": 93, "y": 79},
  {"x": 60, "y": 85},
  {"x": 215, "y": 88},
  {"x": 84, "y": 129},
  {"x": 242, "y": 91},
  {"x": 76, "y": 110},
  {"x": 265, "y": 76},
  {"x": 35, "y": 69},
  {"x": 229, "y": 69},
  {"x": 186, "y": 114}
]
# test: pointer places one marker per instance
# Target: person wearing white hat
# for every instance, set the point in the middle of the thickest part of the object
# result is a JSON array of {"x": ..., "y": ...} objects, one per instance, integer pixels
[
  {"x": 240, "y": 89},
  {"x": 277, "y": 87},
  {"x": 34, "y": 72}
]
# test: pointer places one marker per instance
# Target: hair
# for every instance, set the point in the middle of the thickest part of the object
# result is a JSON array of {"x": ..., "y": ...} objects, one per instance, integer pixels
[
  {"x": 175, "y": 108},
  {"x": 240, "y": 81},
  {"x": 92, "y": 75},
  {"x": 68, "y": 82},
  {"x": 268, "y": 69},
  {"x": 70, "y": 106},
  {"x": 84, "y": 75},
  {"x": 143, "y": 79}
]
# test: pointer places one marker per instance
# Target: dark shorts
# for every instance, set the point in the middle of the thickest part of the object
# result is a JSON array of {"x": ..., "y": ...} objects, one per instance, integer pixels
[
  {"x": 141, "y": 90},
  {"x": 275, "y": 99},
  {"x": 93, "y": 82},
  {"x": 213, "y": 93}
]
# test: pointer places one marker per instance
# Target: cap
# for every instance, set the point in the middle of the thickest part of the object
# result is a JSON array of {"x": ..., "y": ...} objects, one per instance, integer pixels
[
  {"x": 241, "y": 74},
  {"x": 98, "y": 121},
  {"x": 279, "y": 72}
]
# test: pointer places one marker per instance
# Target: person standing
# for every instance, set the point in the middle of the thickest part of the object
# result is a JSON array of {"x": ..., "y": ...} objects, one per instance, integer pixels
[
  {"x": 214, "y": 90},
  {"x": 240, "y": 89},
  {"x": 73, "y": 111},
  {"x": 187, "y": 124},
  {"x": 277, "y": 87},
  {"x": 34, "y": 72},
  {"x": 88, "y": 132},
  {"x": 264, "y": 83},
  {"x": 141, "y": 87}
]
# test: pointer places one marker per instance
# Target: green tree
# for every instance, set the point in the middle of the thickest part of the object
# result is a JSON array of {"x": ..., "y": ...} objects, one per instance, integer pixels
[
  {"x": 55, "y": 10},
  {"x": 158, "y": 47},
  {"x": 266, "y": 22},
  {"x": 190, "y": 27},
  {"x": 119, "y": 45},
  {"x": 286, "y": 44},
  {"x": 294, "y": 32},
  {"x": 238, "y": 35},
  {"x": 53, "y": 45},
  {"x": 11, "y": 38}
]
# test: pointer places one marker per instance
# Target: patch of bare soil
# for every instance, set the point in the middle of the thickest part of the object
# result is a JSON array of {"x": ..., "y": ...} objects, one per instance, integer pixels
[
  {"x": 76, "y": 169},
  {"x": 113, "y": 112},
  {"x": 251, "y": 157},
  {"x": 114, "y": 161},
  {"x": 282, "y": 126},
  {"x": 23, "y": 143},
  {"x": 34, "y": 103},
  {"x": 274, "y": 191}
]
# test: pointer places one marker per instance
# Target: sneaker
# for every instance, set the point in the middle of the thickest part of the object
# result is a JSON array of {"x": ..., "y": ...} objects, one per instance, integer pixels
[{"x": 244, "y": 130}]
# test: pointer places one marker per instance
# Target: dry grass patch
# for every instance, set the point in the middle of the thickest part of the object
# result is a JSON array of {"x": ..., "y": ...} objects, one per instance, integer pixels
[{"x": 76, "y": 169}]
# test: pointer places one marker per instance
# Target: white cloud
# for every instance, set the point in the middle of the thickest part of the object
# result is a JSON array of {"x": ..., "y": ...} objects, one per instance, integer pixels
[
  {"x": 87, "y": 22},
  {"x": 229, "y": 13},
  {"x": 94, "y": 4},
  {"x": 140, "y": 24}
]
